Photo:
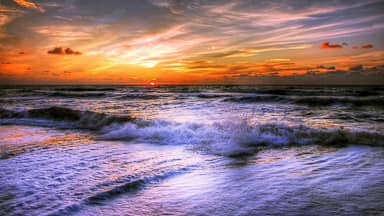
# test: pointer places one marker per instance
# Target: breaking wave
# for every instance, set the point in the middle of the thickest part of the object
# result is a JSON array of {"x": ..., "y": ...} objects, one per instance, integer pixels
[
  {"x": 226, "y": 138},
  {"x": 61, "y": 117},
  {"x": 235, "y": 137}
]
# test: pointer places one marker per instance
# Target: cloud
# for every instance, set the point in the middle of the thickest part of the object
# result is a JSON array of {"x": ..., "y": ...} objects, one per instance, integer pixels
[
  {"x": 30, "y": 5},
  {"x": 357, "y": 75},
  {"x": 327, "y": 45},
  {"x": 367, "y": 46},
  {"x": 325, "y": 67},
  {"x": 356, "y": 68},
  {"x": 247, "y": 52},
  {"x": 62, "y": 51}
]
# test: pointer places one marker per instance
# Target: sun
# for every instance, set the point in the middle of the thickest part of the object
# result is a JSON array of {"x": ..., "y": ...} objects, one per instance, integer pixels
[{"x": 152, "y": 83}]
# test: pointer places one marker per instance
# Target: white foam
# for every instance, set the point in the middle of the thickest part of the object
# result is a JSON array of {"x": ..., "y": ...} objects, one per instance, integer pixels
[{"x": 233, "y": 136}]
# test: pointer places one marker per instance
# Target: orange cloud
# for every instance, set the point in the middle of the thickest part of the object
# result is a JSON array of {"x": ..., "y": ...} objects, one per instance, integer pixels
[
  {"x": 28, "y": 4},
  {"x": 62, "y": 51},
  {"x": 327, "y": 45},
  {"x": 367, "y": 46}
]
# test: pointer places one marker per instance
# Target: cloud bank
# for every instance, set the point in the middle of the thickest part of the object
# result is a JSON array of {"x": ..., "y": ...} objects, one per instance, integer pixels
[{"x": 62, "y": 51}]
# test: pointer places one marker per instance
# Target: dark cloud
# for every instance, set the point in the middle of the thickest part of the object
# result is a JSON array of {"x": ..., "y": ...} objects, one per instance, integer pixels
[
  {"x": 325, "y": 67},
  {"x": 367, "y": 46},
  {"x": 327, "y": 45},
  {"x": 356, "y": 68},
  {"x": 357, "y": 75},
  {"x": 62, "y": 51}
]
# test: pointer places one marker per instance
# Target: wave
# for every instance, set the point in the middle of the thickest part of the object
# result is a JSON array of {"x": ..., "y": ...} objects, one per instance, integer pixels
[
  {"x": 131, "y": 184},
  {"x": 311, "y": 101},
  {"x": 77, "y": 94},
  {"x": 236, "y": 137},
  {"x": 327, "y": 101},
  {"x": 230, "y": 138},
  {"x": 61, "y": 117},
  {"x": 126, "y": 184},
  {"x": 211, "y": 96},
  {"x": 257, "y": 90},
  {"x": 183, "y": 89},
  {"x": 252, "y": 99},
  {"x": 138, "y": 96},
  {"x": 308, "y": 91},
  {"x": 88, "y": 89}
]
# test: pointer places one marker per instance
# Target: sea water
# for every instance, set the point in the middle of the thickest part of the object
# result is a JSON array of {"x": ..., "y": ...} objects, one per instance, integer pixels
[{"x": 191, "y": 150}]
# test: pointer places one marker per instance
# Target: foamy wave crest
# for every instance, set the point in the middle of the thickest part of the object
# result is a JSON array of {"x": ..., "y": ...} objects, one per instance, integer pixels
[{"x": 235, "y": 137}]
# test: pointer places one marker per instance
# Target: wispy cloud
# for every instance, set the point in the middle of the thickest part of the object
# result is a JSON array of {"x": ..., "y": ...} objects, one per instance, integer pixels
[
  {"x": 65, "y": 33},
  {"x": 246, "y": 52}
]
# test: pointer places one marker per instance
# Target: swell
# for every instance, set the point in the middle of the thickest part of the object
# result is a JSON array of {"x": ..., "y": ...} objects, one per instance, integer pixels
[
  {"x": 77, "y": 94},
  {"x": 138, "y": 96},
  {"x": 327, "y": 101},
  {"x": 61, "y": 117},
  {"x": 312, "y": 91},
  {"x": 211, "y": 96},
  {"x": 254, "y": 99},
  {"x": 82, "y": 89},
  {"x": 311, "y": 101}
]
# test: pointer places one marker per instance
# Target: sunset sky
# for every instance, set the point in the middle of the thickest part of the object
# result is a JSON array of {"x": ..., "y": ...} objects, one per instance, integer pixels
[{"x": 191, "y": 42}]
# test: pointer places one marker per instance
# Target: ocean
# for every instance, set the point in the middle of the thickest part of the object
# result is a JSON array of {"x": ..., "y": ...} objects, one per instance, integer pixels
[{"x": 192, "y": 150}]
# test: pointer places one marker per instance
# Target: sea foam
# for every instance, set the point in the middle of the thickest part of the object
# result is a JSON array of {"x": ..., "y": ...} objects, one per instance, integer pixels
[{"x": 227, "y": 137}]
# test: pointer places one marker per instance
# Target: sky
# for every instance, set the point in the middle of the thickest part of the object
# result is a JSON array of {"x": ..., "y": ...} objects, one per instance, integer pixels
[{"x": 192, "y": 42}]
